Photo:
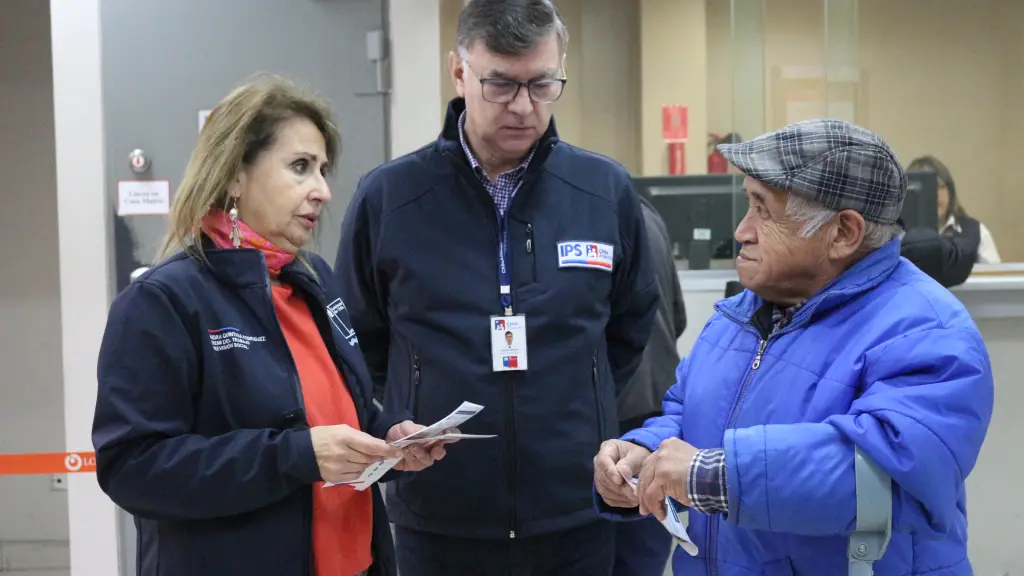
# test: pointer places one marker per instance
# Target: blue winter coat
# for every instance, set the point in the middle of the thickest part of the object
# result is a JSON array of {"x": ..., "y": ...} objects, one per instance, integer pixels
[{"x": 884, "y": 358}]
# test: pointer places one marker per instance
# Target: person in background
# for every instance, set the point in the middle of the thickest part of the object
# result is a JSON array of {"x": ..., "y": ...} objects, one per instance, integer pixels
[
  {"x": 499, "y": 226},
  {"x": 231, "y": 385},
  {"x": 642, "y": 547},
  {"x": 947, "y": 254},
  {"x": 953, "y": 218},
  {"x": 836, "y": 345}
]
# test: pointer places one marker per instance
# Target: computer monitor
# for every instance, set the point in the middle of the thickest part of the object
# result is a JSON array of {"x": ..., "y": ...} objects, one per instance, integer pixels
[
  {"x": 703, "y": 207},
  {"x": 716, "y": 203},
  {"x": 921, "y": 206}
]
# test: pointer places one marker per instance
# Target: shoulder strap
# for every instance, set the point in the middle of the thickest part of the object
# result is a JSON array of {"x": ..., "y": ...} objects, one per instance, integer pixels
[{"x": 874, "y": 515}]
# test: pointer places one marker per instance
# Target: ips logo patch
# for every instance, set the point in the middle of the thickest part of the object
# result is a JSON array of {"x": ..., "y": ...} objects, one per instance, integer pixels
[{"x": 586, "y": 254}]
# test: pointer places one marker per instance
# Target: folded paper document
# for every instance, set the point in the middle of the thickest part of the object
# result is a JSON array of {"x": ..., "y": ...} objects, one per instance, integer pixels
[
  {"x": 434, "y": 432},
  {"x": 672, "y": 522}
]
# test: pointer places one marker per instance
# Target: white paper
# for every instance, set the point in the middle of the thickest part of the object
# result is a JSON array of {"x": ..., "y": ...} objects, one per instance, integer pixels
[
  {"x": 372, "y": 473},
  {"x": 404, "y": 443},
  {"x": 464, "y": 412},
  {"x": 143, "y": 197},
  {"x": 672, "y": 522},
  {"x": 203, "y": 115},
  {"x": 435, "y": 431}
]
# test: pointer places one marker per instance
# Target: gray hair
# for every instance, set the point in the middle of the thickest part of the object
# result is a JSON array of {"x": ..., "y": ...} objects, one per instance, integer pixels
[
  {"x": 509, "y": 27},
  {"x": 814, "y": 215}
]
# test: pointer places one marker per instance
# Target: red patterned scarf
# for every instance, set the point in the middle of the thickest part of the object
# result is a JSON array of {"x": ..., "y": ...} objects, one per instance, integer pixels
[{"x": 217, "y": 225}]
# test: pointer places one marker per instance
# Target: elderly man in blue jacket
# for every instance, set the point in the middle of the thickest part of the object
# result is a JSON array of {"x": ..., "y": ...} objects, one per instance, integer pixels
[{"x": 836, "y": 344}]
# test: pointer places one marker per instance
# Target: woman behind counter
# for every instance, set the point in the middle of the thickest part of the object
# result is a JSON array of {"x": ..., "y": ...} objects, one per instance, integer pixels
[
  {"x": 953, "y": 218},
  {"x": 230, "y": 386}
]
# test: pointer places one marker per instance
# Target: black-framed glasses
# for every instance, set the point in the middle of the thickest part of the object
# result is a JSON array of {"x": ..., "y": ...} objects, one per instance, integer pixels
[{"x": 503, "y": 90}]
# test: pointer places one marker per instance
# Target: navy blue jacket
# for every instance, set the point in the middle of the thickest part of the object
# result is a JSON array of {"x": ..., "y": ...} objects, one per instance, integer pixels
[
  {"x": 418, "y": 267},
  {"x": 200, "y": 429}
]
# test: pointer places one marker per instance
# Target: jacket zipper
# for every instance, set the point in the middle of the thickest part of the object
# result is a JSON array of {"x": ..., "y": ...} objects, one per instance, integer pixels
[
  {"x": 307, "y": 526},
  {"x": 280, "y": 332},
  {"x": 763, "y": 341},
  {"x": 529, "y": 249},
  {"x": 510, "y": 430},
  {"x": 474, "y": 181},
  {"x": 713, "y": 528},
  {"x": 510, "y": 455}
]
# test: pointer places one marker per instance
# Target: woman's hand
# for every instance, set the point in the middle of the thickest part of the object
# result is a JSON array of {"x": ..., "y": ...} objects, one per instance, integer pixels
[
  {"x": 342, "y": 452},
  {"x": 418, "y": 456}
]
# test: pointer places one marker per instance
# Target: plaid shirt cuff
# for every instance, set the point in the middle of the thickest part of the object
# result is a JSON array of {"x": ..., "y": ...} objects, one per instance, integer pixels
[{"x": 706, "y": 482}]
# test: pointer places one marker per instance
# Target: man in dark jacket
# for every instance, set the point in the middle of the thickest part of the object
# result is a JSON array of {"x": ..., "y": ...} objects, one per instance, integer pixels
[
  {"x": 642, "y": 547},
  {"x": 499, "y": 227},
  {"x": 948, "y": 259}
]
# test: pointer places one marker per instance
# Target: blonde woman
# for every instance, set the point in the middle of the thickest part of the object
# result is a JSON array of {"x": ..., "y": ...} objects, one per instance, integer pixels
[{"x": 230, "y": 384}]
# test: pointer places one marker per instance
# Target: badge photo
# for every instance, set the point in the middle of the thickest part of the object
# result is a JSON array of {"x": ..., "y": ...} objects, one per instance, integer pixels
[{"x": 508, "y": 343}]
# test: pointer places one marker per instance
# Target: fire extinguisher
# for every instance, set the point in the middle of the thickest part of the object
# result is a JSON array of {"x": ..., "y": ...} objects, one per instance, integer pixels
[{"x": 717, "y": 164}]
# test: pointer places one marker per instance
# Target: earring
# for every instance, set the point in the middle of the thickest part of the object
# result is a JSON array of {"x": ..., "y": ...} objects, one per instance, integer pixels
[{"x": 236, "y": 236}]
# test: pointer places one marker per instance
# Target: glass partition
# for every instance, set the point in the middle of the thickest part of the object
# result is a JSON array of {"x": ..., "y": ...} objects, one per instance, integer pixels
[{"x": 939, "y": 78}]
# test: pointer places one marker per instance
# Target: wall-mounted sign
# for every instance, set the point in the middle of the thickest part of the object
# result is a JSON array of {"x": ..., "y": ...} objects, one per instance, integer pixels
[
  {"x": 143, "y": 197},
  {"x": 674, "y": 123}
]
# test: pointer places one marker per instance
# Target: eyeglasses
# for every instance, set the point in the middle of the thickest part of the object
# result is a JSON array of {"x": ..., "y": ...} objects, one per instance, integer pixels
[{"x": 503, "y": 91}]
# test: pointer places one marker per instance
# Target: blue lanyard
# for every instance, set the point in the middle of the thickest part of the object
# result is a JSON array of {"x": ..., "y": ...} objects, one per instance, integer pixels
[{"x": 504, "y": 266}]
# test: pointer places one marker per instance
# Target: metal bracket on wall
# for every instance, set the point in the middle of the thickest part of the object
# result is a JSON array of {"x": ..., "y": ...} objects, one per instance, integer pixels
[{"x": 376, "y": 52}]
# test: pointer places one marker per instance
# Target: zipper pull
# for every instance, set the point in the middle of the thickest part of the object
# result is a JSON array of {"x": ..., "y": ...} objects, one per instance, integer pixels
[
  {"x": 529, "y": 238},
  {"x": 760, "y": 351}
]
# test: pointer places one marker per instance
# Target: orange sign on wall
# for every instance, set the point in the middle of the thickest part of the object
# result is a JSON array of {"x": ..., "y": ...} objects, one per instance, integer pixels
[
  {"x": 674, "y": 123},
  {"x": 49, "y": 463}
]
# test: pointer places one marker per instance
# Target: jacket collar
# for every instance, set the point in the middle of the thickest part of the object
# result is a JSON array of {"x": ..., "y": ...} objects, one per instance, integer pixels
[
  {"x": 863, "y": 276},
  {"x": 246, "y": 267},
  {"x": 450, "y": 142}
]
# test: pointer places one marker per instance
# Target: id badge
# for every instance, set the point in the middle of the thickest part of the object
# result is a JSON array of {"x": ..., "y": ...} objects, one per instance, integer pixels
[{"x": 508, "y": 343}]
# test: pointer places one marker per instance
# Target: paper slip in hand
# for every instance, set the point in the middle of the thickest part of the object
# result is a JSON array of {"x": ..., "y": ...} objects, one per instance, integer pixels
[
  {"x": 672, "y": 523},
  {"x": 464, "y": 412},
  {"x": 375, "y": 471},
  {"x": 372, "y": 473},
  {"x": 459, "y": 436}
]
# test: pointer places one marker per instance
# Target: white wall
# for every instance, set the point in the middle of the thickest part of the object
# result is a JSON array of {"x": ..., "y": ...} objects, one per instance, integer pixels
[
  {"x": 31, "y": 382},
  {"x": 416, "y": 107}
]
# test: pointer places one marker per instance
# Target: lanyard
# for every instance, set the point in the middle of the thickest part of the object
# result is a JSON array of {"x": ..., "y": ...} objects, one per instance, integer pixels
[{"x": 504, "y": 268}]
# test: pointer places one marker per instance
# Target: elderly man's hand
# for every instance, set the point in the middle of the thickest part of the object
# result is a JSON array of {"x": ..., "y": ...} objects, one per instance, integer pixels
[
  {"x": 615, "y": 460},
  {"x": 665, "y": 473}
]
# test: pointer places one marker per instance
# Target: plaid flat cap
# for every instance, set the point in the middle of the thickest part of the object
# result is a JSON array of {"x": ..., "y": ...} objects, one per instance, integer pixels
[{"x": 840, "y": 165}]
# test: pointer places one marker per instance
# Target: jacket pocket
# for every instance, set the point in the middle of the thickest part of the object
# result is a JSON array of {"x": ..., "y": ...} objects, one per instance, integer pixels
[{"x": 598, "y": 400}]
